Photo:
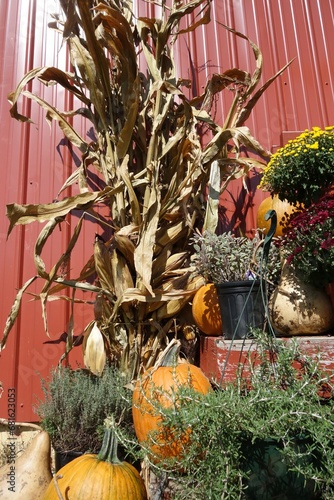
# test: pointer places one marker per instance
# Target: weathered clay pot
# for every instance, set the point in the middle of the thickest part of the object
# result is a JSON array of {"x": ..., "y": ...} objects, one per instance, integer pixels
[
  {"x": 329, "y": 289},
  {"x": 297, "y": 308}
]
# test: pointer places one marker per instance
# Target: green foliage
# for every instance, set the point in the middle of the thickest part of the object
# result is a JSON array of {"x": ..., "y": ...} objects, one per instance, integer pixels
[
  {"x": 76, "y": 403},
  {"x": 301, "y": 170},
  {"x": 226, "y": 257},
  {"x": 279, "y": 398}
]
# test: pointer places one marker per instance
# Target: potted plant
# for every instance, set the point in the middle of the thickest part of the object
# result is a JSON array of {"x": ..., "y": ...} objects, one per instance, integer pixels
[
  {"x": 300, "y": 304},
  {"x": 308, "y": 244},
  {"x": 269, "y": 435},
  {"x": 75, "y": 404},
  {"x": 234, "y": 264},
  {"x": 302, "y": 170}
]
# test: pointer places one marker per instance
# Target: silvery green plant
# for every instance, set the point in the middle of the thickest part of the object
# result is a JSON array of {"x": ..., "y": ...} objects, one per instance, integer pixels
[{"x": 227, "y": 258}]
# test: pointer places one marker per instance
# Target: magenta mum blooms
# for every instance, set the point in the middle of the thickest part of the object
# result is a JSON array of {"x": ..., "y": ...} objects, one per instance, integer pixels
[{"x": 309, "y": 243}]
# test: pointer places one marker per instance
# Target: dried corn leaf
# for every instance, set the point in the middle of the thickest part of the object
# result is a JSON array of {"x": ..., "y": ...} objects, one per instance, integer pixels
[
  {"x": 78, "y": 176},
  {"x": 180, "y": 281},
  {"x": 211, "y": 213},
  {"x": 53, "y": 114},
  {"x": 177, "y": 14},
  {"x": 124, "y": 245},
  {"x": 146, "y": 26},
  {"x": 93, "y": 64},
  {"x": 143, "y": 255},
  {"x": 39, "y": 245},
  {"x": 134, "y": 204},
  {"x": 15, "y": 309},
  {"x": 158, "y": 295},
  {"x": 25, "y": 214},
  {"x": 64, "y": 259},
  {"x": 245, "y": 112},
  {"x": 125, "y": 136},
  {"x": 122, "y": 278},
  {"x": 173, "y": 307},
  {"x": 87, "y": 271},
  {"x": 177, "y": 282},
  {"x": 102, "y": 259},
  {"x": 43, "y": 298},
  {"x": 86, "y": 287},
  {"x": 70, "y": 326},
  {"x": 165, "y": 263},
  {"x": 169, "y": 234}
]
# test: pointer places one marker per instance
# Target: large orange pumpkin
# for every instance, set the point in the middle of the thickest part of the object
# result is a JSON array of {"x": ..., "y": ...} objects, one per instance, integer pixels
[
  {"x": 98, "y": 477},
  {"x": 206, "y": 311},
  {"x": 282, "y": 208},
  {"x": 156, "y": 389}
]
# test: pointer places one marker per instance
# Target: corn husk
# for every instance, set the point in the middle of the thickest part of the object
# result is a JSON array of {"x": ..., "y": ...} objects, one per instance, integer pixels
[{"x": 94, "y": 353}]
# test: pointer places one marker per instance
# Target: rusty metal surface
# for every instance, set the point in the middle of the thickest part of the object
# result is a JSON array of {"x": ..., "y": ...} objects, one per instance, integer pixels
[{"x": 301, "y": 98}]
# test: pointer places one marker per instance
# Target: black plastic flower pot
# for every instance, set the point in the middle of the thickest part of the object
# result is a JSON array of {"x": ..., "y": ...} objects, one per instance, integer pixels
[
  {"x": 269, "y": 475},
  {"x": 241, "y": 307},
  {"x": 63, "y": 458}
]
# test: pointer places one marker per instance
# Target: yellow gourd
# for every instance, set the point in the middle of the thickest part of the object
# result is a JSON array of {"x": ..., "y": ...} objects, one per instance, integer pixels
[
  {"x": 298, "y": 308},
  {"x": 28, "y": 476}
]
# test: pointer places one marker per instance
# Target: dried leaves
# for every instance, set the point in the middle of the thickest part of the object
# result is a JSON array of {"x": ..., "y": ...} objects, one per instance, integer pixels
[{"x": 145, "y": 150}]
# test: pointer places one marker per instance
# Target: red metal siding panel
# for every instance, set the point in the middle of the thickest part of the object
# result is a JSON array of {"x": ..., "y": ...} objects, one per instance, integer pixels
[
  {"x": 27, "y": 153},
  {"x": 301, "y": 98}
]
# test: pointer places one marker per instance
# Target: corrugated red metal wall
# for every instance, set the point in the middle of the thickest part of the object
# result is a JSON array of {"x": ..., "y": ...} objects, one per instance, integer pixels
[{"x": 35, "y": 161}]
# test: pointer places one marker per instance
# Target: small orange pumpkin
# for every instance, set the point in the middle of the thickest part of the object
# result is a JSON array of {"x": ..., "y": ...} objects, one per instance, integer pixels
[
  {"x": 156, "y": 389},
  {"x": 282, "y": 208},
  {"x": 206, "y": 310},
  {"x": 102, "y": 477}
]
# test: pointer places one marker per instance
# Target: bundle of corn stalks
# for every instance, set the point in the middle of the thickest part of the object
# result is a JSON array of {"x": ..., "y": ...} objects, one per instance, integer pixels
[{"x": 147, "y": 151}]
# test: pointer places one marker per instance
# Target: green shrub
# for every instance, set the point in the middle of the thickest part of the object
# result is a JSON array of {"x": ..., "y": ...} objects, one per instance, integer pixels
[
  {"x": 281, "y": 399},
  {"x": 76, "y": 404}
]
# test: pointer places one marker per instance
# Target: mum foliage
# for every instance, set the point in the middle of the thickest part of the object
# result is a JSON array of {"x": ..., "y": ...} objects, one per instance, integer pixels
[{"x": 301, "y": 170}]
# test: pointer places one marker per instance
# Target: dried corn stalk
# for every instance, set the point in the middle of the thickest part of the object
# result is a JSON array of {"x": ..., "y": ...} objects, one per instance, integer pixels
[{"x": 146, "y": 150}]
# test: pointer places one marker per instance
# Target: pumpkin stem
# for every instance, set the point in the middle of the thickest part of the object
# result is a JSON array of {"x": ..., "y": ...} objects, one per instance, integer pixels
[
  {"x": 108, "y": 452},
  {"x": 170, "y": 356}
]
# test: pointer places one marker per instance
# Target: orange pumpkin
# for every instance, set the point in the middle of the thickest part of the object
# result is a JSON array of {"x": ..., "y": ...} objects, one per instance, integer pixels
[
  {"x": 156, "y": 389},
  {"x": 206, "y": 310},
  {"x": 99, "y": 477},
  {"x": 282, "y": 208}
]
